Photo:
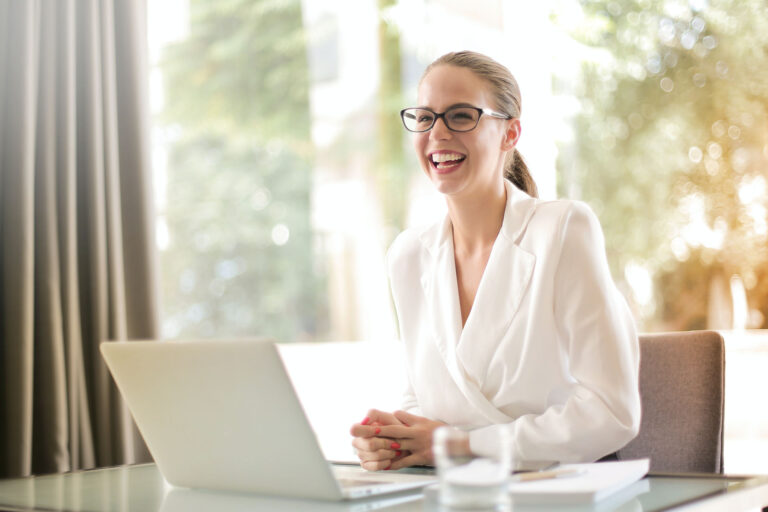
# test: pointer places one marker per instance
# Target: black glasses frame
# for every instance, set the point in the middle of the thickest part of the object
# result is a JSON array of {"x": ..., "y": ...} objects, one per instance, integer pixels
[{"x": 438, "y": 115}]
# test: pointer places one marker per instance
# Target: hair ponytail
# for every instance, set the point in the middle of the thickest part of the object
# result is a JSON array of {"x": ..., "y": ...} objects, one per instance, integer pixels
[
  {"x": 507, "y": 94},
  {"x": 516, "y": 171}
]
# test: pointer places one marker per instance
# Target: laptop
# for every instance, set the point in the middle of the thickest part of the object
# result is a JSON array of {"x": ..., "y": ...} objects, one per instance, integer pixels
[{"x": 223, "y": 415}]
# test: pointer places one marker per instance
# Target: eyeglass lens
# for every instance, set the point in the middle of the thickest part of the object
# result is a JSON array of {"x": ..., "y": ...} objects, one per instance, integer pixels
[{"x": 459, "y": 119}]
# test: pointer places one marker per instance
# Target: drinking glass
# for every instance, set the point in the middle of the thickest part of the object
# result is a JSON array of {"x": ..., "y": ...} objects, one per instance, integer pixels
[{"x": 471, "y": 481}]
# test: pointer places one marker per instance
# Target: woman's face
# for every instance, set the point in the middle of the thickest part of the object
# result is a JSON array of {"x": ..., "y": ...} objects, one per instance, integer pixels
[{"x": 462, "y": 163}]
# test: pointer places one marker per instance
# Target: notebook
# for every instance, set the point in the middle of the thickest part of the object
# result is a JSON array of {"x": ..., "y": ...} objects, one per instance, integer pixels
[{"x": 223, "y": 415}]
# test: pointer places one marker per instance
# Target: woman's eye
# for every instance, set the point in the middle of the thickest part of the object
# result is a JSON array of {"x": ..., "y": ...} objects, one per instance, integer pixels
[{"x": 461, "y": 116}]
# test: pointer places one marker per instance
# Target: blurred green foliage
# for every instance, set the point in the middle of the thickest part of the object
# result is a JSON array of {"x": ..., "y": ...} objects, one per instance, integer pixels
[
  {"x": 240, "y": 255},
  {"x": 673, "y": 121},
  {"x": 392, "y": 172}
]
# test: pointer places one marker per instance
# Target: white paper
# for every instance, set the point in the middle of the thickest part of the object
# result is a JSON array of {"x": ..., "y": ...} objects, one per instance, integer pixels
[{"x": 598, "y": 480}]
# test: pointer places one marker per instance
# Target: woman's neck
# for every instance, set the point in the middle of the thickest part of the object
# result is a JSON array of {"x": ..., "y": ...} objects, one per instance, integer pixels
[{"x": 477, "y": 219}]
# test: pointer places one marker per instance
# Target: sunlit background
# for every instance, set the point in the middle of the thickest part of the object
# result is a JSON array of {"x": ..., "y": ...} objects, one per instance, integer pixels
[{"x": 283, "y": 173}]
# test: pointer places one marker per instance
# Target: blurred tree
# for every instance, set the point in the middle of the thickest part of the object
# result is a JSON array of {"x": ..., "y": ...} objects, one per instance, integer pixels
[
  {"x": 392, "y": 173},
  {"x": 240, "y": 255},
  {"x": 672, "y": 146}
]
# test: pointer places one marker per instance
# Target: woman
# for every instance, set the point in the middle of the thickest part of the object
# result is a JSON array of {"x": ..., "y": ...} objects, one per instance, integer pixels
[{"x": 507, "y": 308}]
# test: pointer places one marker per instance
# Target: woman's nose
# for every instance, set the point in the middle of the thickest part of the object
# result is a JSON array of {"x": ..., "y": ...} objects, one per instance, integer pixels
[{"x": 440, "y": 131}]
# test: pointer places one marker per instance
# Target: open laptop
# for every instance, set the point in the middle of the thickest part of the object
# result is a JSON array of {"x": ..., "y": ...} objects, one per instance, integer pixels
[{"x": 224, "y": 415}]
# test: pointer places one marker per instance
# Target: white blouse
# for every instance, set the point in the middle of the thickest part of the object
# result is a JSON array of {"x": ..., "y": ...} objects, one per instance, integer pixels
[{"x": 549, "y": 349}]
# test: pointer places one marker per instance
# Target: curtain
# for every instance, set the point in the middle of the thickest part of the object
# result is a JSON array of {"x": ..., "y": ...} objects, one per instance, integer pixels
[{"x": 77, "y": 261}]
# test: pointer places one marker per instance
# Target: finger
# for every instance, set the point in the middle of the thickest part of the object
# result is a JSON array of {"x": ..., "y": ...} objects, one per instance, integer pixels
[
  {"x": 403, "y": 445},
  {"x": 396, "y": 432},
  {"x": 404, "y": 462},
  {"x": 371, "y": 444},
  {"x": 410, "y": 445},
  {"x": 407, "y": 418},
  {"x": 359, "y": 430},
  {"x": 381, "y": 417},
  {"x": 368, "y": 420},
  {"x": 376, "y": 465},
  {"x": 365, "y": 456},
  {"x": 362, "y": 443}
]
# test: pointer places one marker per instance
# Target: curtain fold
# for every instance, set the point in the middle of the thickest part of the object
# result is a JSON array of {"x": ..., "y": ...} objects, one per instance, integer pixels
[
  {"x": 77, "y": 260},
  {"x": 16, "y": 230}
]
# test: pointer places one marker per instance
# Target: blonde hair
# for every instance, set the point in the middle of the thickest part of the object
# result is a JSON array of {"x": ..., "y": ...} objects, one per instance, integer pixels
[{"x": 507, "y": 93}]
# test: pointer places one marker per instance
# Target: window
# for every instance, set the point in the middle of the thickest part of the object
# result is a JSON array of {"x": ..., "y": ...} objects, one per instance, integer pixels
[{"x": 284, "y": 173}]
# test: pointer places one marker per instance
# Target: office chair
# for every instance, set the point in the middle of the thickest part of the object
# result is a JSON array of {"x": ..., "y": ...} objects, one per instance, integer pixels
[{"x": 682, "y": 394}]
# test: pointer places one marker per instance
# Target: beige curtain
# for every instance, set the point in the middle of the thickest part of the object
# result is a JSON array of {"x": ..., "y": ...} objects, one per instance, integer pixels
[{"x": 77, "y": 262}]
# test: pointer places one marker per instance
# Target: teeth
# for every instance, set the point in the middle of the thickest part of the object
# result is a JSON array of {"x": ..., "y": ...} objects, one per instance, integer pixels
[{"x": 446, "y": 157}]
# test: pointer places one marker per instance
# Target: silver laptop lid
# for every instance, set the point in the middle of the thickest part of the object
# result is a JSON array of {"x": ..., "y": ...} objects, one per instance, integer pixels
[{"x": 221, "y": 415}]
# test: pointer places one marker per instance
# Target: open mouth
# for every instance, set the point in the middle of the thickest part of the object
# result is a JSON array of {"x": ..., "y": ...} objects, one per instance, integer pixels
[{"x": 446, "y": 160}]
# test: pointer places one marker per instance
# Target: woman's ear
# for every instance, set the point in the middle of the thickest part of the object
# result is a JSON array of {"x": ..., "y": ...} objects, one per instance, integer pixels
[{"x": 511, "y": 135}]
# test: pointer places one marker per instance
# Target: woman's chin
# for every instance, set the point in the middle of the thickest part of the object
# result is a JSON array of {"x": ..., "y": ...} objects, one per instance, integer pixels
[
  {"x": 449, "y": 180},
  {"x": 446, "y": 184}
]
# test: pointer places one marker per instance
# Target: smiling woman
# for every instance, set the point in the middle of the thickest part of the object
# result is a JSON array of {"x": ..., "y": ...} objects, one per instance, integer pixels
[{"x": 510, "y": 318}]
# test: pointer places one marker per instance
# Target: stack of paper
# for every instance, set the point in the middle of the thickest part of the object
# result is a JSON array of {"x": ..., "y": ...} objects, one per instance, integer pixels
[{"x": 580, "y": 483}]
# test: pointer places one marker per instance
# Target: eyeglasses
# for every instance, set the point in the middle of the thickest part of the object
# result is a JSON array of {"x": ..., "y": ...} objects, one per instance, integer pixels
[{"x": 456, "y": 119}]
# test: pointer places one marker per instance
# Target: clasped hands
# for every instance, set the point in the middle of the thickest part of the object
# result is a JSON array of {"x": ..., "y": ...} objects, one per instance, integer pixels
[{"x": 396, "y": 440}]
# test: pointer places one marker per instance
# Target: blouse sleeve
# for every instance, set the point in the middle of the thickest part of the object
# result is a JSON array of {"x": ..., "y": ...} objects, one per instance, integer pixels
[
  {"x": 596, "y": 331},
  {"x": 409, "y": 402}
]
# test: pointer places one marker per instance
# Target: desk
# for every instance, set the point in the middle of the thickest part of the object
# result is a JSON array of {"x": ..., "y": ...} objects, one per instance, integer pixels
[{"x": 141, "y": 488}]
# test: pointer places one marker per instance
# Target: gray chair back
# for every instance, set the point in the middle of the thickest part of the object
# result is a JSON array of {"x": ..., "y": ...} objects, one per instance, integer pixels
[{"x": 682, "y": 393}]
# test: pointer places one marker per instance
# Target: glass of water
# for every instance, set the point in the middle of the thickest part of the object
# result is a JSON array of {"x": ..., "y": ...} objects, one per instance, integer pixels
[{"x": 471, "y": 481}]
